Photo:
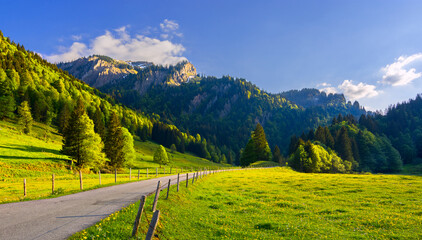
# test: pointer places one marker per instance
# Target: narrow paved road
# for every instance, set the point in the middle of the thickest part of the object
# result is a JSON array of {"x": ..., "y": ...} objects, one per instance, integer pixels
[{"x": 59, "y": 218}]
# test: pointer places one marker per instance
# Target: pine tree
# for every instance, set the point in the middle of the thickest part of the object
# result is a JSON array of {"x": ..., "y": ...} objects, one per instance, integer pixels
[
  {"x": 99, "y": 122},
  {"x": 160, "y": 156},
  {"x": 293, "y": 144},
  {"x": 320, "y": 135},
  {"x": 114, "y": 142},
  {"x": 278, "y": 157},
  {"x": 344, "y": 145},
  {"x": 64, "y": 117},
  {"x": 329, "y": 140},
  {"x": 25, "y": 117},
  {"x": 262, "y": 149},
  {"x": 249, "y": 154},
  {"x": 7, "y": 101},
  {"x": 80, "y": 142}
]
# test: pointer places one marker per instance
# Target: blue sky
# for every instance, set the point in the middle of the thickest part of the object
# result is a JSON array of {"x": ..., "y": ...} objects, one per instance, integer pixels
[{"x": 368, "y": 50}]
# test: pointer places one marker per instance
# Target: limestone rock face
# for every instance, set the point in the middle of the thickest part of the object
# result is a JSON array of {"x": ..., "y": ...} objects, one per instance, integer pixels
[
  {"x": 98, "y": 70},
  {"x": 183, "y": 75}
]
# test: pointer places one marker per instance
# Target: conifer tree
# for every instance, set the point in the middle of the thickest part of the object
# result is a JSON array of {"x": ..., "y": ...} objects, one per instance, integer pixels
[
  {"x": 320, "y": 135},
  {"x": 293, "y": 144},
  {"x": 262, "y": 149},
  {"x": 114, "y": 142},
  {"x": 7, "y": 101},
  {"x": 249, "y": 154},
  {"x": 160, "y": 156},
  {"x": 329, "y": 140},
  {"x": 344, "y": 145},
  {"x": 80, "y": 142},
  {"x": 278, "y": 157},
  {"x": 119, "y": 143},
  {"x": 64, "y": 117},
  {"x": 99, "y": 123},
  {"x": 25, "y": 117}
]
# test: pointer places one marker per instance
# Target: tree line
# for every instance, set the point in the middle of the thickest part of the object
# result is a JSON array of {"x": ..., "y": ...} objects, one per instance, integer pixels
[{"x": 344, "y": 146}]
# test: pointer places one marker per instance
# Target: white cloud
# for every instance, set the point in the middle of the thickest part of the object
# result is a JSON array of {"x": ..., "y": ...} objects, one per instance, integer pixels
[
  {"x": 123, "y": 46},
  {"x": 75, "y": 51},
  {"x": 327, "y": 88},
  {"x": 357, "y": 91},
  {"x": 396, "y": 74},
  {"x": 76, "y": 37},
  {"x": 170, "y": 29}
]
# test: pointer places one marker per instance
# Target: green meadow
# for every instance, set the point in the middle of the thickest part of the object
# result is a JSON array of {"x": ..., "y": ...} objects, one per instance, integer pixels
[
  {"x": 37, "y": 156},
  {"x": 279, "y": 203}
]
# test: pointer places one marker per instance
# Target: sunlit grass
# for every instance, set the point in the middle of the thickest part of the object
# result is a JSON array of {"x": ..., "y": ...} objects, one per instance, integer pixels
[
  {"x": 280, "y": 203},
  {"x": 37, "y": 156}
]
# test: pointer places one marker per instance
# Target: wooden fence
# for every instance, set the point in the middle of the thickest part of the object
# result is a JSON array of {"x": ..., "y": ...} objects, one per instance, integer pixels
[
  {"x": 124, "y": 177},
  {"x": 152, "y": 227}
]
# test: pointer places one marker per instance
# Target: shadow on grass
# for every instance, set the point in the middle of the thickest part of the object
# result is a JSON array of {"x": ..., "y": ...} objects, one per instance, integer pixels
[
  {"x": 31, "y": 149},
  {"x": 34, "y": 158}
]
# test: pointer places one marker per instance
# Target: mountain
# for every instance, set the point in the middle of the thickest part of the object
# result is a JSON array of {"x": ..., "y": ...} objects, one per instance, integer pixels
[
  {"x": 224, "y": 110},
  {"x": 310, "y": 97},
  {"x": 52, "y": 93},
  {"x": 99, "y": 70}
]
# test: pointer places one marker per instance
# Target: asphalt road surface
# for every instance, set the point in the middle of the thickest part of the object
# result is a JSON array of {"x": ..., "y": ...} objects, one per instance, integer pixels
[{"x": 59, "y": 218}]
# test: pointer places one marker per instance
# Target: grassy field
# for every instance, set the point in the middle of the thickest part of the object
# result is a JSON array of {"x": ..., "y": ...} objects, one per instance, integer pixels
[
  {"x": 37, "y": 156},
  {"x": 279, "y": 203}
]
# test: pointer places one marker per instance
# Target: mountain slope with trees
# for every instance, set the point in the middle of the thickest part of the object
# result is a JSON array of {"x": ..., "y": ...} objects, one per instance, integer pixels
[
  {"x": 344, "y": 146},
  {"x": 225, "y": 110},
  {"x": 50, "y": 95}
]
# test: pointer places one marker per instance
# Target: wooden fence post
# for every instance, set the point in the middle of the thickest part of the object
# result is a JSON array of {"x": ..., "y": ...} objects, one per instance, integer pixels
[
  {"x": 178, "y": 176},
  {"x": 81, "y": 183},
  {"x": 193, "y": 178},
  {"x": 138, "y": 216},
  {"x": 52, "y": 183},
  {"x": 99, "y": 175},
  {"x": 168, "y": 189},
  {"x": 157, "y": 193},
  {"x": 147, "y": 172},
  {"x": 115, "y": 175},
  {"x": 139, "y": 173},
  {"x": 153, "y": 225},
  {"x": 24, "y": 187},
  {"x": 187, "y": 180}
]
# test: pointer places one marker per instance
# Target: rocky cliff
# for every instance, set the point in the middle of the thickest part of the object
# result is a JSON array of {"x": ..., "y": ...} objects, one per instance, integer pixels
[{"x": 100, "y": 71}]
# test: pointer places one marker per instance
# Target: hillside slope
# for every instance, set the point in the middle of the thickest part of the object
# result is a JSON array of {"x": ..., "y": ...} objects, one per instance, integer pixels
[
  {"x": 225, "y": 110},
  {"x": 52, "y": 94}
]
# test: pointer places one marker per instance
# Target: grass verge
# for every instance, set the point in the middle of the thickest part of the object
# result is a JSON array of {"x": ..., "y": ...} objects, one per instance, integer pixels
[{"x": 280, "y": 203}]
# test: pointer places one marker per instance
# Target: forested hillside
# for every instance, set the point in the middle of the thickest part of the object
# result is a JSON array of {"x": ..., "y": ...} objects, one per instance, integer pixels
[
  {"x": 225, "y": 110},
  {"x": 49, "y": 95},
  {"x": 402, "y": 124},
  {"x": 344, "y": 146}
]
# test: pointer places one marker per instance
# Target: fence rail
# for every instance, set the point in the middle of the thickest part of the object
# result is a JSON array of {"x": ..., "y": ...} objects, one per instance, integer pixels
[
  {"x": 60, "y": 183},
  {"x": 152, "y": 225}
]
